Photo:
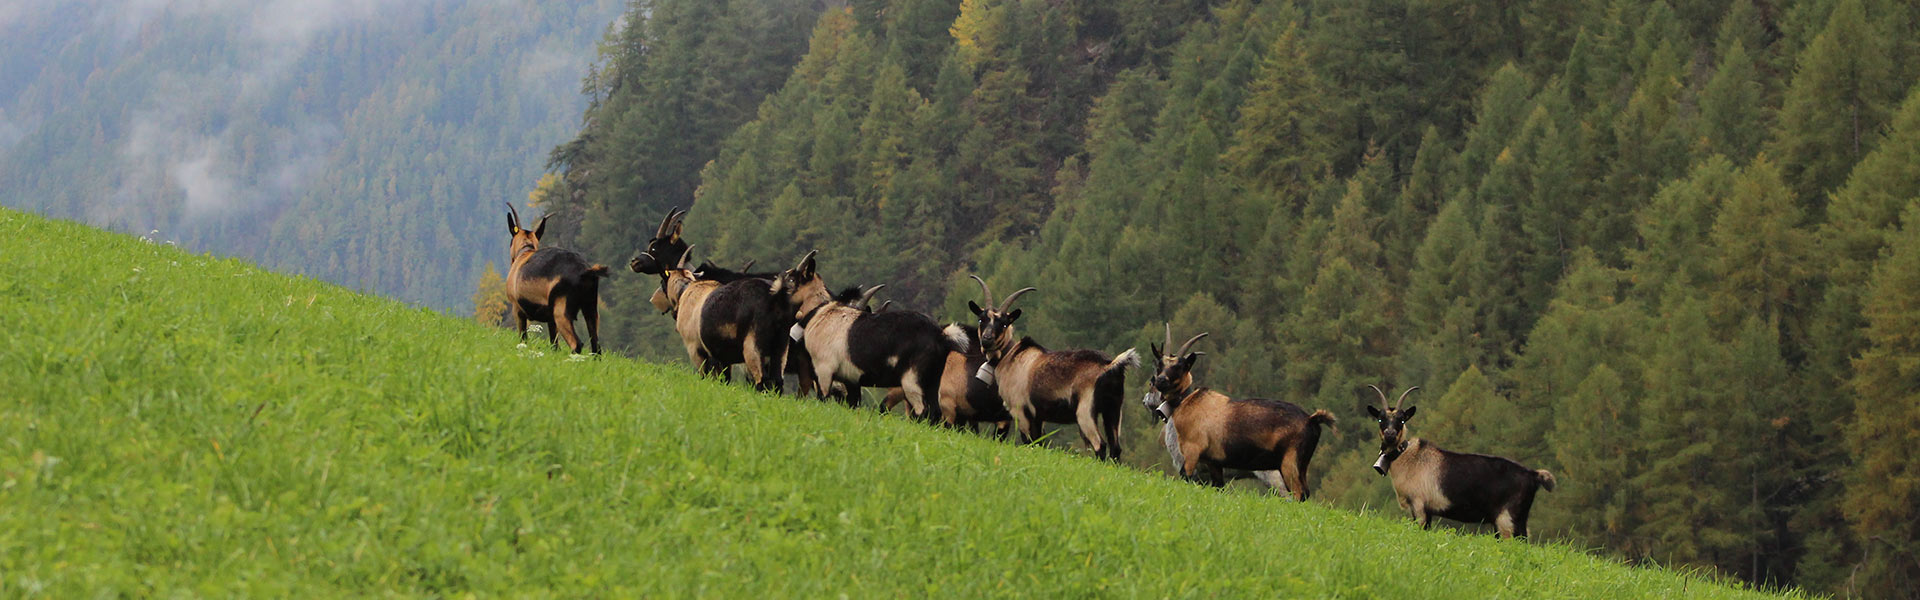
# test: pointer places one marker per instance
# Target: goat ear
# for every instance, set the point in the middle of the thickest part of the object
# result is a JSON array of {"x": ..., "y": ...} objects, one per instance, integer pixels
[
  {"x": 1407, "y": 415},
  {"x": 1375, "y": 412},
  {"x": 1188, "y": 360},
  {"x": 1013, "y": 316},
  {"x": 1156, "y": 353},
  {"x": 513, "y": 227},
  {"x": 975, "y": 308},
  {"x": 675, "y": 234},
  {"x": 540, "y": 229}
]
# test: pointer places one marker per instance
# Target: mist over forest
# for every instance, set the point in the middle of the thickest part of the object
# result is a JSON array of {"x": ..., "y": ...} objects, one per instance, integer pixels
[
  {"x": 365, "y": 142},
  {"x": 1659, "y": 248}
]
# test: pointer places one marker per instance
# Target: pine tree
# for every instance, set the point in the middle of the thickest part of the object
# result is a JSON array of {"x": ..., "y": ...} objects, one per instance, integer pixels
[
  {"x": 1732, "y": 107},
  {"x": 1838, "y": 99},
  {"x": 1284, "y": 140},
  {"x": 1883, "y": 487}
]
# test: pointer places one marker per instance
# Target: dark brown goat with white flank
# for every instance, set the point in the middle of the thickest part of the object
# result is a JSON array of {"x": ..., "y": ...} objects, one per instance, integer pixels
[
  {"x": 1209, "y": 428},
  {"x": 723, "y": 324},
  {"x": 551, "y": 285},
  {"x": 856, "y": 347},
  {"x": 1037, "y": 385},
  {"x": 1470, "y": 488}
]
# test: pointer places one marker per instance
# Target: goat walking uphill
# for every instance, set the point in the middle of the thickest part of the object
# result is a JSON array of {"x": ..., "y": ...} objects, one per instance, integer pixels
[
  {"x": 1205, "y": 427},
  {"x": 551, "y": 285},
  {"x": 1081, "y": 387},
  {"x": 1469, "y": 488},
  {"x": 856, "y": 347}
]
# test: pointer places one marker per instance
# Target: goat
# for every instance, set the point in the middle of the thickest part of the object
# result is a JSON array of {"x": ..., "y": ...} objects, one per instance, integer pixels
[
  {"x": 1469, "y": 488},
  {"x": 1160, "y": 410},
  {"x": 551, "y": 285},
  {"x": 1205, "y": 427},
  {"x": 665, "y": 249},
  {"x": 723, "y": 324},
  {"x": 964, "y": 399},
  {"x": 1038, "y": 386},
  {"x": 855, "y": 348}
]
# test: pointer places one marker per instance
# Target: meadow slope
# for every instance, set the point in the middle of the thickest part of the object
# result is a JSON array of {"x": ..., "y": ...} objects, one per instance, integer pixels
[{"x": 179, "y": 424}]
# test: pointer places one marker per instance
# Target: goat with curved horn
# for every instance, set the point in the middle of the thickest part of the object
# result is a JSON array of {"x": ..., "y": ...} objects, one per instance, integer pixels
[
  {"x": 1430, "y": 481},
  {"x": 1272, "y": 440},
  {"x": 1040, "y": 386}
]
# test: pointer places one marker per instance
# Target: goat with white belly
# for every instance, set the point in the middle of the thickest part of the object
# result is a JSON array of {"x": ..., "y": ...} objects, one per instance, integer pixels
[
  {"x": 1205, "y": 427},
  {"x": 1470, "y": 488}
]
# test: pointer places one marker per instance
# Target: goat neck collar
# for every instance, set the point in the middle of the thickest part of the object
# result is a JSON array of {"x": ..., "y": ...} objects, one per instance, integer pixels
[
  {"x": 1180, "y": 396},
  {"x": 674, "y": 299},
  {"x": 1391, "y": 455},
  {"x": 808, "y": 318}
]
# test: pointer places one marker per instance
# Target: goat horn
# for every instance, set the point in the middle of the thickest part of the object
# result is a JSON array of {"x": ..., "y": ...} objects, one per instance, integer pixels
[
  {"x": 684, "y": 257},
  {"x": 744, "y": 268},
  {"x": 1169, "y": 343},
  {"x": 867, "y": 296},
  {"x": 883, "y": 306},
  {"x": 986, "y": 295},
  {"x": 1008, "y": 303},
  {"x": 1383, "y": 395},
  {"x": 804, "y": 259},
  {"x": 1403, "y": 397},
  {"x": 664, "y": 222},
  {"x": 1189, "y": 344}
]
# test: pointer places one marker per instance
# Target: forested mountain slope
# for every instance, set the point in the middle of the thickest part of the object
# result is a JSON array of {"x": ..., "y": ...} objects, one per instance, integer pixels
[
  {"x": 1660, "y": 248},
  {"x": 369, "y": 142}
]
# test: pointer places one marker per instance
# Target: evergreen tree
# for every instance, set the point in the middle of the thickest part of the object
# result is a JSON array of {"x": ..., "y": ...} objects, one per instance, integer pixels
[
  {"x": 1842, "y": 89},
  {"x": 1883, "y": 487},
  {"x": 1284, "y": 140}
]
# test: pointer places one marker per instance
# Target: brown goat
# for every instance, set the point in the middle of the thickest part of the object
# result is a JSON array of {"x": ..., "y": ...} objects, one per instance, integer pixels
[
  {"x": 551, "y": 285},
  {"x": 1038, "y": 386},
  {"x": 1251, "y": 434}
]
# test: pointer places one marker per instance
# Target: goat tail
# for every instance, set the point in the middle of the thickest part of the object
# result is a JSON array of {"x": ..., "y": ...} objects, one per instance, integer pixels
[
  {"x": 599, "y": 271},
  {"x": 1546, "y": 479},
  {"x": 1322, "y": 418},
  {"x": 958, "y": 338},
  {"x": 1130, "y": 358}
]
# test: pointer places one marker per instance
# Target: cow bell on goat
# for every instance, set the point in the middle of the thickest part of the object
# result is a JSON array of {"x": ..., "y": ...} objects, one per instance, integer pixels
[{"x": 985, "y": 374}]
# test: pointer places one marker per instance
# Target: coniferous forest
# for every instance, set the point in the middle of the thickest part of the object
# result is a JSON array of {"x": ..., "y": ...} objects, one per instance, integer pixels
[{"x": 1668, "y": 250}]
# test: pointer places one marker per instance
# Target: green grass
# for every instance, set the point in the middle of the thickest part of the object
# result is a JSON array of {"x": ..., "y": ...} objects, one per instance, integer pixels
[{"x": 173, "y": 424}]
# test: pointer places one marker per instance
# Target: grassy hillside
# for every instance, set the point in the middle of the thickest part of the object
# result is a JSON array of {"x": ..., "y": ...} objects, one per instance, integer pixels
[{"x": 179, "y": 424}]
